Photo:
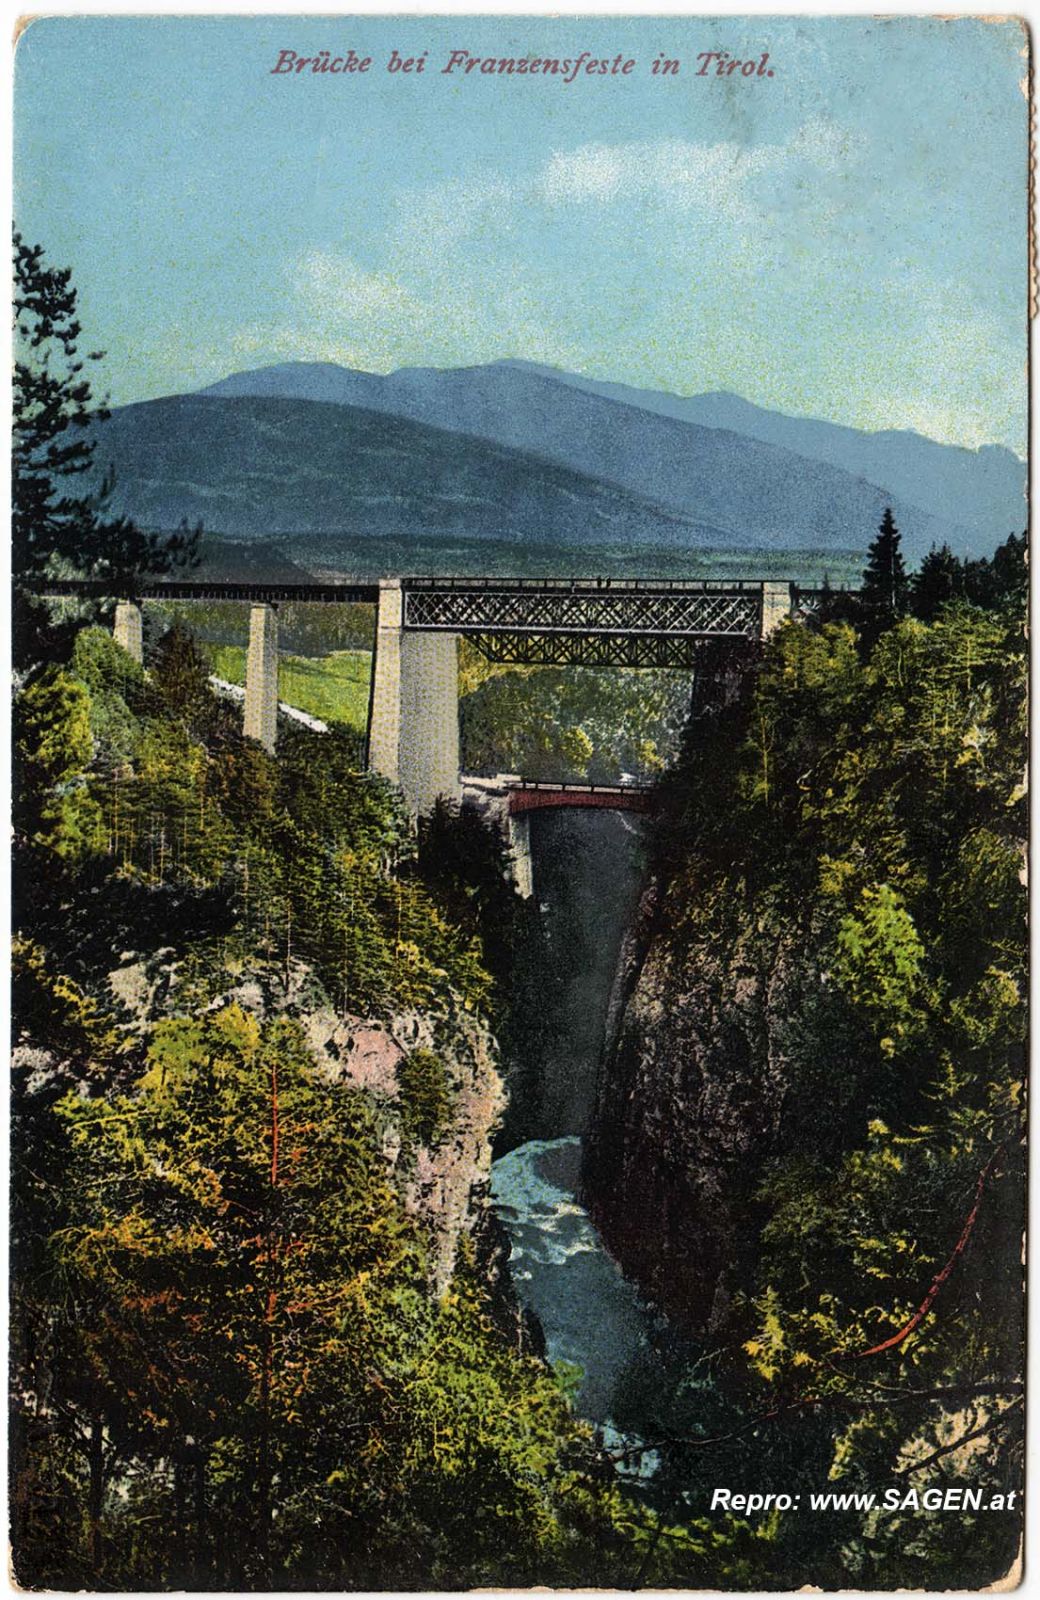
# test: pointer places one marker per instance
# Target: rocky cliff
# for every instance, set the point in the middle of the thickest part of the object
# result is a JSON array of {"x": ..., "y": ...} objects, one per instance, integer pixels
[
  {"x": 692, "y": 1092},
  {"x": 444, "y": 1182}
]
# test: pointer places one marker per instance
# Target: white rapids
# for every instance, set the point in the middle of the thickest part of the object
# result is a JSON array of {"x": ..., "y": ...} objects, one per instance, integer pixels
[{"x": 591, "y": 1316}]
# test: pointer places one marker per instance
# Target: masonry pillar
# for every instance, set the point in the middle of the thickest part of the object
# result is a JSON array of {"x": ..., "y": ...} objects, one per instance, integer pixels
[
  {"x": 127, "y": 629},
  {"x": 520, "y": 852},
  {"x": 776, "y": 606},
  {"x": 261, "y": 717},
  {"x": 413, "y": 733}
]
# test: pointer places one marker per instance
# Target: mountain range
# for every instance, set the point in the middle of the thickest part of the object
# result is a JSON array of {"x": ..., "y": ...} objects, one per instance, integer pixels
[{"x": 520, "y": 453}]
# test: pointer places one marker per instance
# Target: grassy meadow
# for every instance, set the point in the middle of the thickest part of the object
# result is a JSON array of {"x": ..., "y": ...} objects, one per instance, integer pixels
[{"x": 332, "y": 687}]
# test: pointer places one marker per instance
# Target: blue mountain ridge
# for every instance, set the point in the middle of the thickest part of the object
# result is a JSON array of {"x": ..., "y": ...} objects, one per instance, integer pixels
[
  {"x": 260, "y": 467},
  {"x": 757, "y": 476},
  {"x": 970, "y": 487},
  {"x": 509, "y": 452}
]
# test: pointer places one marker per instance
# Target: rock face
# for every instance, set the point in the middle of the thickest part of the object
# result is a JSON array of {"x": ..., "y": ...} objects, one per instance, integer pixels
[
  {"x": 690, "y": 1097},
  {"x": 446, "y": 1186}
]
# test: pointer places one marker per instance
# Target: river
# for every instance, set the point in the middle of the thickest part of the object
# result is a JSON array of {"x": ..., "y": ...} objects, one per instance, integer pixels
[{"x": 591, "y": 1316}]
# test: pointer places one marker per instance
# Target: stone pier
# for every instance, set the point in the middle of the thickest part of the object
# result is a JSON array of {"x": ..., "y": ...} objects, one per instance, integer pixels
[
  {"x": 413, "y": 734},
  {"x": 776, "y": 606},
  {"x": 519, "y": 835},
  {"x": 261, "y": 717},
  {"x": 128, "y": 630}
]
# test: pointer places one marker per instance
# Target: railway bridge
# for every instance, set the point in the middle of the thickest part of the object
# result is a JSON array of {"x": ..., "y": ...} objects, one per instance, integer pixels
[{"x": 413, "y": 739}]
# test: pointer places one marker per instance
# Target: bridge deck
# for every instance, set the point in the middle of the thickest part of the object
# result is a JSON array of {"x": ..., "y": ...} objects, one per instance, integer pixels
[{"x": 347, "y": 592}]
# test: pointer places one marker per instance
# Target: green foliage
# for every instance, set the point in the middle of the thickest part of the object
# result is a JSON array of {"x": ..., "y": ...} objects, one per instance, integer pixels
[
  {"x": 245, "y": 1306},
  {"x": 224, "y": 1311},
  {"x": 938, "y": 580},
  {"x": 884, "y": 590},
  {"x": 574, "y": 723},
  {"x": 53, "y": 744},
  {"x": 862, "y": 843},
  {"x": 999, "y": 582},
  {"x": 179, "y": 678},
  {"x": 105, "y": 668},
  {"x": 426, "y": 1097},
  {"x": 334, "y": 688},
  {"x": 879, "y": 961}
]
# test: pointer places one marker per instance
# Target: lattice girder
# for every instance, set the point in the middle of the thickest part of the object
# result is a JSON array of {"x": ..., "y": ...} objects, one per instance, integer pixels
[
  {"x": 611, "y": 650},
  {"x": 617, "y": 614}
]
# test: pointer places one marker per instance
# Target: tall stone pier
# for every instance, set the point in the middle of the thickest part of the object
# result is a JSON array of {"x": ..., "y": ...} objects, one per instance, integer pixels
[
  {"x": 261, "y": 714},
  {"x": 128, "y": 630},
  {"x": 413, "y": 731}
]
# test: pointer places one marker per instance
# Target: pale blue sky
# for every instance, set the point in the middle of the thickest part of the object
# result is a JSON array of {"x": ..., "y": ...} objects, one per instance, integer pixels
[{"x": 846, "y": 239}]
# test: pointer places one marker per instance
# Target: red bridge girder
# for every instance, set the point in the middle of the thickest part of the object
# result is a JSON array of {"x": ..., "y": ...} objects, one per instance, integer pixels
[{"x": 545, "y": 796}]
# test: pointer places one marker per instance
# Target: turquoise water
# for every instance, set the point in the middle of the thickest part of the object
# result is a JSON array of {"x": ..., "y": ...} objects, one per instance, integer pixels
[{"x": 591, "y": 1315}]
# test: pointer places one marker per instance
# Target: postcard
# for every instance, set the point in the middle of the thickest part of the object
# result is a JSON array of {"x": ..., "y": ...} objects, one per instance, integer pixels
[{"x": 519, "y": 825}]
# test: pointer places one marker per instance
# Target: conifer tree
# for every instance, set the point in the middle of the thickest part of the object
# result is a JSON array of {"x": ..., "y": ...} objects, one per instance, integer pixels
[
  {"x": 58, "y": 526},
  {"x": 883, "y": 593},
  {"x": 939, "y": 580}
]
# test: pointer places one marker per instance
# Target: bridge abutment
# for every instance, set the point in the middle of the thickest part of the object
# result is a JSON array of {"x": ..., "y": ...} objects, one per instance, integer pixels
[
  {"x": 128, "y": 629},
  {"x": 261, "y": 711},
  {"x": 413, "y": 735}
]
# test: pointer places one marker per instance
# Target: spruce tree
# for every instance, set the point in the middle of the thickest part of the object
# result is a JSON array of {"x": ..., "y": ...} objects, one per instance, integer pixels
[
  {"x": 58, "y": 524},
  {"x": 883, "y": 593},
  {"x": 939, "y": 580}
]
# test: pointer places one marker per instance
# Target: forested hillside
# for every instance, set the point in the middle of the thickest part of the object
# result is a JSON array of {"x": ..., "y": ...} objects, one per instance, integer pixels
[
  {"x": 267, "y": 1031},
  {"x": 254, "y": 1283},
  {"x": 809, "y": 1138}
]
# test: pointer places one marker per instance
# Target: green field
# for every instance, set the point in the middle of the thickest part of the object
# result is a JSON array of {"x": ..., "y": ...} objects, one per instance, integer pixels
[{"x": 332, "y": 687}]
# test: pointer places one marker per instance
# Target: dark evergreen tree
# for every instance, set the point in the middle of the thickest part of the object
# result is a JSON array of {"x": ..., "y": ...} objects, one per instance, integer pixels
[
  {"x": 1001, "y": 581},
  {"x": 883, "y": 593},
  {"x": 1010, "y": 571},
  {"x": 939, "y": 580},
  {"x": 180, "y": 678},
  {"x": 59, "y": 527}
]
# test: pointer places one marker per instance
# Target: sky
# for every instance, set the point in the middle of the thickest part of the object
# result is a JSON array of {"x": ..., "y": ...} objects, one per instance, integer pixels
[{"x": 843, "y": 239}]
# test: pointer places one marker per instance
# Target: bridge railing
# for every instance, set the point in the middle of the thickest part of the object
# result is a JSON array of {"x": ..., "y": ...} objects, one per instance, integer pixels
[
  {"x": 200, "y": 589},
  {"x": 588, "y": 585}
]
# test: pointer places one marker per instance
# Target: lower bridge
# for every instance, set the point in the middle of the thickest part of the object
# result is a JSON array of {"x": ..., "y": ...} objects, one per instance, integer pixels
[
  {"x": 507, "y": 801},
  {"x": 712, "y": 626},
  {"x": 525, "y": 796}
]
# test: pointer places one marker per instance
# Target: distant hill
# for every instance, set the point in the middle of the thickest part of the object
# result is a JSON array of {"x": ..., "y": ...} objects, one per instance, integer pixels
[
  {"x": 707, "y": 457},
  {"x": 241, "y": 561},
  {"x": 976, "y": 489},
  {"x": 257, "y": 467}
]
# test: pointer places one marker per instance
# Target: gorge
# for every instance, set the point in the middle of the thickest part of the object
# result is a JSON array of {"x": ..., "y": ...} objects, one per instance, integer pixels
[
  {"x": 806, "y": 1100},
  {"x": 742, "y": 1079}
]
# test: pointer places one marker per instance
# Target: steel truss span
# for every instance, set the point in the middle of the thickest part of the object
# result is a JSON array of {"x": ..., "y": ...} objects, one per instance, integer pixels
[
  {"x": 610, "y": 649},
  {"x": 607, "y": 621}
]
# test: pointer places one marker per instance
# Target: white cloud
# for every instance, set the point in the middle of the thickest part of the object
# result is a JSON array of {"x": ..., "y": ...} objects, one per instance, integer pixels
[
  {"x": 683, "y": 174},
  {"x": 737, "y": 269},
  {"x": 335, "y": 286},
  {"x": 672, "y": 170}
]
